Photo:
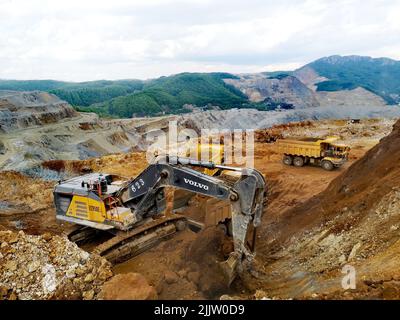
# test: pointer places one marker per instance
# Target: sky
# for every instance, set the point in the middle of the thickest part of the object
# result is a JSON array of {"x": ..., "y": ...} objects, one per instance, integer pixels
[{"x": 124, "y": 39}]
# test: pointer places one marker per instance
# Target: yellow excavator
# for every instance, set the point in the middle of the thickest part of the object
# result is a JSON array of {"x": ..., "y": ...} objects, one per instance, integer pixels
[{"x": 132, "y": 212}]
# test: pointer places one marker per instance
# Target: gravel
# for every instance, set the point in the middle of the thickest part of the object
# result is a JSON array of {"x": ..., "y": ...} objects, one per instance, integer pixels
[{"x": 48, "y": 267}]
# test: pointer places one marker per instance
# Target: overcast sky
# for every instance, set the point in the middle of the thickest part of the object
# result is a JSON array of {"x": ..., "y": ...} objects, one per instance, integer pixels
[{"x": 84, "y": 40}]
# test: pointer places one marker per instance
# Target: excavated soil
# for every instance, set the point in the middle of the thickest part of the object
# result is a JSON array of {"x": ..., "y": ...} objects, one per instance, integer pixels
[
  {"x": 48, "y": 267},
  {"x": 353, "y": 222},
  {"x": 315, "y": 223}
]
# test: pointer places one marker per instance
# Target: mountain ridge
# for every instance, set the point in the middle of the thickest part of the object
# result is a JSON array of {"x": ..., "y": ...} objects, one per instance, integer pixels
[{"x": 330, "y": 81}]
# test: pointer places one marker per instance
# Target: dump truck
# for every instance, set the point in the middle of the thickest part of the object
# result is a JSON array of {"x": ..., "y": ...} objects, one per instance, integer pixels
[{"x": 326, "y": 153}]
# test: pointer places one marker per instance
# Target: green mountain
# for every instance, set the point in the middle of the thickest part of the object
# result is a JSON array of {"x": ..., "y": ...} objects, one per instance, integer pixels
[
  {"x": 378, "y": 75},
  {"x": 170, "y": 94},
  {"x": 88, "y": 93}
]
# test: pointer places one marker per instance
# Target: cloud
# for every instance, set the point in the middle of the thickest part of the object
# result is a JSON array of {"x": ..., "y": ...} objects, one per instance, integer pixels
[{"x": 84, "y": 40}]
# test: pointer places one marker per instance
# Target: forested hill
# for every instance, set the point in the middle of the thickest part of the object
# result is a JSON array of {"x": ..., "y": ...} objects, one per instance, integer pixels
[{"x": 173, "y": 95}]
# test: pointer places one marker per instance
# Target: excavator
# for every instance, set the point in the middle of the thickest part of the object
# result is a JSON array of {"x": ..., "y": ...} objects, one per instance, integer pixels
[{"x": 132, "y": 212}]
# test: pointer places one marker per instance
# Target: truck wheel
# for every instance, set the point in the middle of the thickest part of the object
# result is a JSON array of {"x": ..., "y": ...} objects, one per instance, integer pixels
[
  {"x": 181, "y": 225},
  {"x": 298, "y": 161},
  {"x": 288, "y": 160},
  {"x": 327, "y": 165}
]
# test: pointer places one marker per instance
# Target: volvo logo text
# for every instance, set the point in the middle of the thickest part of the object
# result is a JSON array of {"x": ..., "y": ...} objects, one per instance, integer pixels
[{"x": 196, "y": 184}]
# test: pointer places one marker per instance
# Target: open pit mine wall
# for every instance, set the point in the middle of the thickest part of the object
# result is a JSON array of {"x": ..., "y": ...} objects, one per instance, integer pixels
[
  {"x": 254, "y": 119},
  {"x": 20, "y": 110}
]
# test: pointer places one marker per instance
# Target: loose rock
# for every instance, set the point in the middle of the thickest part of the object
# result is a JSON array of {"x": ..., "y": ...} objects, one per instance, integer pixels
[{"x": 130, "y": 286}]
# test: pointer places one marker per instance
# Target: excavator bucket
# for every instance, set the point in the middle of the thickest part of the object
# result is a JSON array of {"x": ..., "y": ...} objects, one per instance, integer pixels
[
  {"x": 229, "y": 267},
  {"x": 246, "y": 212}
]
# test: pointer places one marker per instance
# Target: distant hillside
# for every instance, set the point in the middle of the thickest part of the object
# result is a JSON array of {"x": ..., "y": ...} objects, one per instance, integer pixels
[
  {"x": 171, "y": 94},
  {"x": 275, "y": 89},
  {"x": 20, "y": 110},
  {"x": 87, "y": 93},
  {"x": 380, "y": 75},
  {"x": 77, "y": 93},
  {"x": 30, "y": 85}
]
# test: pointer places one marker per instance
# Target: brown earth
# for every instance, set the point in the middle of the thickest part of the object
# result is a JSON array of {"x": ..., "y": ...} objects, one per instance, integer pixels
[
  {"x": 354, "y": 221},
  {"x": 129, "y": 286},
  {"x": 299, "y": 226}
]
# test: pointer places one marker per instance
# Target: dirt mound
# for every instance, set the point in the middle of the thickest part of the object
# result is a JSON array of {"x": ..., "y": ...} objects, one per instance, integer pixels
[
  {"x": 127, "y": 164},
  {"x": 354, "y": 221},
  {"x": 204, "y": 254},
  {"x": 20, "y": 190},
  {"x": 360, "y": 188},
  {"x": 129, "y": 286},
  {"x": 48, "y": 267},
  {"x": 25, "y": 109},
  {"x": 118, "y": 138},
  {"x": 254, "y": 119},
  {"x": 277, "y": 131}
]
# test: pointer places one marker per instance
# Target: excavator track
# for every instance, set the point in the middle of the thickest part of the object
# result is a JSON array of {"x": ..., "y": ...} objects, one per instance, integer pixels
[
  {"x": 80, "y": 234},
  {"x": 127, "y": 244}
]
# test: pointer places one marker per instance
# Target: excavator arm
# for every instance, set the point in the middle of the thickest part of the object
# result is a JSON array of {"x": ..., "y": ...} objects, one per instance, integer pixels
[{"x": 246, "y": 197}]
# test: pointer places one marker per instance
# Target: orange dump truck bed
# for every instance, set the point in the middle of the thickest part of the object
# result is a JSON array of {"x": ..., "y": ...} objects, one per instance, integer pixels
[{"x": 308, "y": 147}]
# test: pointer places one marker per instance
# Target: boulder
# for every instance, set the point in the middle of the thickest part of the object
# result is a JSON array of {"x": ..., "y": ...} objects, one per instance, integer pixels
[
  {"x": 129, "y": 286},
  {"x": 170, "y": 277}
]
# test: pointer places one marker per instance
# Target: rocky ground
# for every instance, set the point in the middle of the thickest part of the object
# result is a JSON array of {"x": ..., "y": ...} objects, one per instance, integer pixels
[
  {"x": 254, "y": 119},
  {"x": 51, "y": 267},
  {"x": 48, "y": 267},
  {"x": 26, "y": 109},
  {"x": 316, "y": 222},
  {"x": 299, "y": 90},
  {"x": 353, "y": 224},
  {"x": 37, "y": 126}
]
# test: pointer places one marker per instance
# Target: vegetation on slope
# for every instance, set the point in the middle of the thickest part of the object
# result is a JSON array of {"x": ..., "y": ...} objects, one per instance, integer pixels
[
  {"x": 88, "y": 93},
  {"x": 30, "y": 85},
  {"x": 171, "y": 94},
  {"x": 380, "y": 76},
  {"x": 77, "y": 93}
]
